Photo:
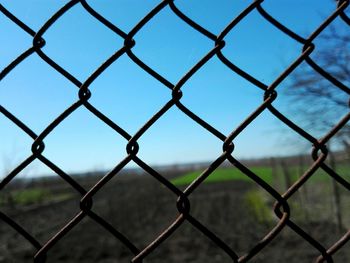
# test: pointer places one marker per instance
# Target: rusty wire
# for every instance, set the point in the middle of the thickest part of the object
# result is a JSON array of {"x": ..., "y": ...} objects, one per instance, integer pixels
[{"x": 282, "y": 210}]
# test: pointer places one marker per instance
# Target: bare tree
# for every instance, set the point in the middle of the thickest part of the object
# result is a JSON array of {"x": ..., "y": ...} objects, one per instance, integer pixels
[{"x": 319, "y": 102}]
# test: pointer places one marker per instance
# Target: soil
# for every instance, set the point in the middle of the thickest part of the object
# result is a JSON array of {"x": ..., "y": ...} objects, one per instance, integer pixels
[{"x": 141, "y": 209}]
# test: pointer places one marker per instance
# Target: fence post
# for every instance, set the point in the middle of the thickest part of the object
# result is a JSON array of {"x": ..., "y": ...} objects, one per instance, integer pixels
[
  {"x": 274, "y": 173},
  {"x": 287, "y": 179},
  {"x": 303, "y": 192},
  {"x": 336, "y": 195}
]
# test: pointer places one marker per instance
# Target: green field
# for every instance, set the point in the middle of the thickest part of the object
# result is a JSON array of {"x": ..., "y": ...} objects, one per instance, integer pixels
[
  {"x": 225, "y": 174},
  {"x": 32, "y": 196},
  {"x": 264, "y": 172}
]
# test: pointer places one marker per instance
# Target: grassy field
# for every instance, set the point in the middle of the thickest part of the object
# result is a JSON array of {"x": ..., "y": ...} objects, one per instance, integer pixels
[
  {"x": 264, "y": 172},
  {"x": 225, "y": 174},
  {"x": 33, "y": 196}
]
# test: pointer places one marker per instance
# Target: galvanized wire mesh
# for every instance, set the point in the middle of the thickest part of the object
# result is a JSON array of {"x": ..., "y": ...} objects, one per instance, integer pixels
[{"x": 281, "y": 209}]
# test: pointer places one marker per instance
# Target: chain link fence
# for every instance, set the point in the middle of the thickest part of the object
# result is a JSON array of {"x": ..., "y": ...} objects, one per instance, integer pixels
[{"x": 281, "y": 208}]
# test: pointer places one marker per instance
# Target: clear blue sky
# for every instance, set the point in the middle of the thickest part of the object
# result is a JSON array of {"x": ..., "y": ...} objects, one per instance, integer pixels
[{"x": 36, "y": 93}]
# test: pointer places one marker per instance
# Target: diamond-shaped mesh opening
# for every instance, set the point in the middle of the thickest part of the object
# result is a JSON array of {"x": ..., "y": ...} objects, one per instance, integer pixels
[
  {"x": 44, "y": 99},
  {"x": 210, "y": 92},
  {"x": 212, "y": 16},
  {"x": 239, "y": 205},
  {"x": 87, "y": 51},
  {"x": 124, "y": 16},
  {"x": 277, "y": 249},
  {"x": 248, "y": 48},
  {"x": 96, "y": 156},
  {"x": 14, "y": 42},
  {"x": 139, "y": 217},
  {"x": 295, "y": 14},
  {"x": 169, "y": 131},
  {"x": 30, "y": 201},
  {"x": 154, "y": 43},
  {"x": 333, "y": 55},
  {"x": 108, "y": 247},
  {"x": 15, "y": 147},
  {"x": 12, "y": 250},
  {"x": 132, "y": 92},
  {"x": 34, "y": 13},
  {"x": 321, "y": 95},
  {"x": 175, "y": 248}
]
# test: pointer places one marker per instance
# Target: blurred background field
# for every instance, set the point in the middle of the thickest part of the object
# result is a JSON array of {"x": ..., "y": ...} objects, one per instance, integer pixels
[{"x": 229, "y": 203}]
